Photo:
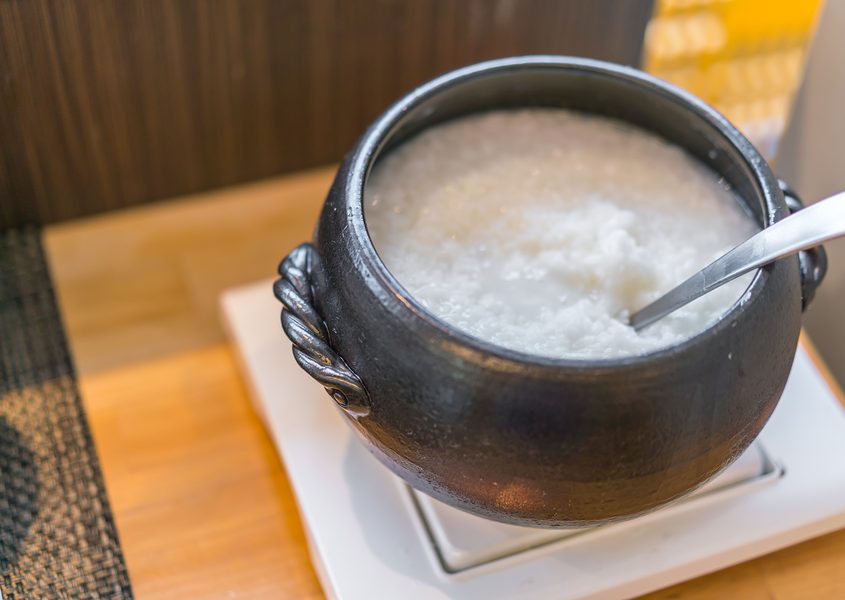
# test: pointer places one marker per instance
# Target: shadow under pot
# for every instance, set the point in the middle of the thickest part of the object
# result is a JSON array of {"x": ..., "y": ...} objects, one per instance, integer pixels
[{"x": 567, "y": 442}]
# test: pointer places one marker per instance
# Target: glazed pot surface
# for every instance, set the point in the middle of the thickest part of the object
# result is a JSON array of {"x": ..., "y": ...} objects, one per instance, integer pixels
[{"x": 525, "y": 439}]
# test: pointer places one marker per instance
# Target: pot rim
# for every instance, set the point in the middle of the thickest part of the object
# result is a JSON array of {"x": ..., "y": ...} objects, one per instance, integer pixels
[{"x": 468, "y": 346}]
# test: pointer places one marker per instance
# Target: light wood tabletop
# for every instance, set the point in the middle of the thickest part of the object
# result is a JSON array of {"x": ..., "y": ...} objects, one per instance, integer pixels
[{"x": 201, "y": 500}]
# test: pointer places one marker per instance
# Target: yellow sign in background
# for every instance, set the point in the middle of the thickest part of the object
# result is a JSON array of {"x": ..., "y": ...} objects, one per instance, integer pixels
[{"x": 745, "y": 57}]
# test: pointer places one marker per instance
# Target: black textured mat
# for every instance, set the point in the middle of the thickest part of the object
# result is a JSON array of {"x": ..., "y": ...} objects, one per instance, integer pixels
[{"x": 57, "y": 535}]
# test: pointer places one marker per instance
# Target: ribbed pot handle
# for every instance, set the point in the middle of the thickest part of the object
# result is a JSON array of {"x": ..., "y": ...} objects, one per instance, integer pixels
[
  {"x": 813, "y": 262},
  {"x": 307, "y": 330}
]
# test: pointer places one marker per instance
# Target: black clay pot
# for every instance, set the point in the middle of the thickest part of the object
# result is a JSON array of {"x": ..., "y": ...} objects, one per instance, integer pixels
[{"x": 525, "y": 439}]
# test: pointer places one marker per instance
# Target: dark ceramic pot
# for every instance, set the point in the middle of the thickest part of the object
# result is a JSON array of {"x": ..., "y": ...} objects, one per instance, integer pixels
[{"x": 525, "y": 439}]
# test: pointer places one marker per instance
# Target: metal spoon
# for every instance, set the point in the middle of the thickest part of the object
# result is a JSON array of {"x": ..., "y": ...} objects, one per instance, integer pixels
[{"x": 809, "y": 227}]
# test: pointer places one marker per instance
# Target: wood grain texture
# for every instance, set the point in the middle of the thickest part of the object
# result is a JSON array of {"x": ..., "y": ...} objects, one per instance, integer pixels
[
  {"x": 203, "y": 506},
  {"x": 108, "y": 104},
  {"x": 201, "y": 501},
  {"x": 143, "y": 283}
]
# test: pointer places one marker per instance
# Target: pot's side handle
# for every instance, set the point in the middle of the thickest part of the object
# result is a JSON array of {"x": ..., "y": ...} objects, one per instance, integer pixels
[
  {"x": 307, "y": 331},
  {"x": 813, "y": 262}
]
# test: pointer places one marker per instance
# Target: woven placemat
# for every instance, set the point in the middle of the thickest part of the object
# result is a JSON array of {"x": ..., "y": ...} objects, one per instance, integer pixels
[{"x": 57, "y": 534}]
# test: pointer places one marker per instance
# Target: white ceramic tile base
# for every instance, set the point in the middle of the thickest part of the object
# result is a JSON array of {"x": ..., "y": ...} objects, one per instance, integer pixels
[
  {"x": 463, "y": 541},
  {"x": 369, "y": 538}
]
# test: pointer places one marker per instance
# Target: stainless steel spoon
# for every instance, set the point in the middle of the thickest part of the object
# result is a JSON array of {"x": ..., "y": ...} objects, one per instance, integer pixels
[{"x": 809, "y": 227}]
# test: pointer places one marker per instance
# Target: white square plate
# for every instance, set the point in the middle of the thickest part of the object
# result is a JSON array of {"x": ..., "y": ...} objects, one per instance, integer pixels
[{"x": 370, "y": 540}]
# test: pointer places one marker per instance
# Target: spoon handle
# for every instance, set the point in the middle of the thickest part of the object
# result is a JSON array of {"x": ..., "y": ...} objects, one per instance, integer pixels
[{"x": 804, "y": 229}]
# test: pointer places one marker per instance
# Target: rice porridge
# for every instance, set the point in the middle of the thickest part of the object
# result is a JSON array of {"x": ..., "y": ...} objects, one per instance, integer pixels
[{"x": 541, "y": 230}]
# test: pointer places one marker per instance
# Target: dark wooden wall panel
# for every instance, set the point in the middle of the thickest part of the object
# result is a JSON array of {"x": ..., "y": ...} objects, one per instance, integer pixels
[{"x": 110, "y": 103}]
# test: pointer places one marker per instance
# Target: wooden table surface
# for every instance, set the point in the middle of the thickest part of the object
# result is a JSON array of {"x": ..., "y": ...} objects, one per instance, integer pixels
[{"x": 202, "y": 503}]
